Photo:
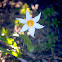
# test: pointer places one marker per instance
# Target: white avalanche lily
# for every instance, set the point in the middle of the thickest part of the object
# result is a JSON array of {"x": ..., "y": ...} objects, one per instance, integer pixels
[{"x": 30, "y": 23}]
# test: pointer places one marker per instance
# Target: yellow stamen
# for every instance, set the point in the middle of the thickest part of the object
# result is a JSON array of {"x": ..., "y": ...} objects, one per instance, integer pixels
[{"x": 30, "y": 23}]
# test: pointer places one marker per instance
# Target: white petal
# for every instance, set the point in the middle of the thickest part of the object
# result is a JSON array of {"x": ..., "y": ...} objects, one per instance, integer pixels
[
  {"x": 21, "y": 20},
  {"x": 38, "y": 26},
  {"x": 28, "y": 17},
  {"x": 24, "y": 28},
  {"x": 32, "y": 31},
  {"x": 36, "y": 19}
]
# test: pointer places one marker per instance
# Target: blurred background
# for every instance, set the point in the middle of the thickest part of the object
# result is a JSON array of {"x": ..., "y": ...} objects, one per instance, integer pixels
[{"x": 47, "y": 41}]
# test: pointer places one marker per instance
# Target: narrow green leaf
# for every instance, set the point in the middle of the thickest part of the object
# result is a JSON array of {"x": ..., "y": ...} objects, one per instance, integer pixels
[
  {"x": 28, "y": 42},
  {"x": 11, "y": 52},
  {"x": 10, "y": 42}
]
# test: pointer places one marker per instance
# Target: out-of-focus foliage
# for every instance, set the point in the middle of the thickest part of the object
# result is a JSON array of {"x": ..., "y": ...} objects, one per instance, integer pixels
[
  {"x": 4, "y": 32},
  {"x": 24, "y": 8},
  {"x": 10, "y": 42},
  {"x": 13, "y": 44},
  {"x": 40, "y": 47},
  {"x": 16, "y": 54},
  {"x": 48, "y": 44},
  {"x": 49, "y": 20},
  {"x": 49, "y": 12},
  {"x": 3, "y": 54},
  {"x": 17, "y": 23},
  {"x": 55, "y": 22},
  {"x": 48, "y": 17},
  {"x": 51, "y": 41}
]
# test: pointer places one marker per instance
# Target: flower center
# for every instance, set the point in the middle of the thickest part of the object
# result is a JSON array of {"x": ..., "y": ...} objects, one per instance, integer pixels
[{"x": 30, "y": 23}]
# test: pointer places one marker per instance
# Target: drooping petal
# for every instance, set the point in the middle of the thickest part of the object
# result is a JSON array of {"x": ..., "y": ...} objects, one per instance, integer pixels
[
  {"x": 38, "y": 26},
  {"x": 28, "y": 17},
  {"x": 21, "y": 20},
  {"x": 36, "y": 19},
  {"x": 24, "y": 28},
  {"x": 32, "y": 31}
]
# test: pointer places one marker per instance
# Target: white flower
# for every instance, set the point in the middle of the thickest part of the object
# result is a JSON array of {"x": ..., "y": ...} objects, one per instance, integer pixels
[{"x": 30, "y": 23}]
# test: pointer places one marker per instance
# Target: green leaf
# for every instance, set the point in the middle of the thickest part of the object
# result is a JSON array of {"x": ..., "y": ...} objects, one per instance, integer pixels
[
  {"x": 55, "y": 22},
  {"x": 28, "y": 42},
  {"x": 11, "y": 52},
  {"x": 49, "y": 12},
  {"x": 10, "y": 42},
  {"x": 48, "y": 44}
]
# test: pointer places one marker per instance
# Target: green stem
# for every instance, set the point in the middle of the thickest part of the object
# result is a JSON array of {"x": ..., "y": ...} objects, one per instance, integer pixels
[{"x": 23, "y": 44}]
